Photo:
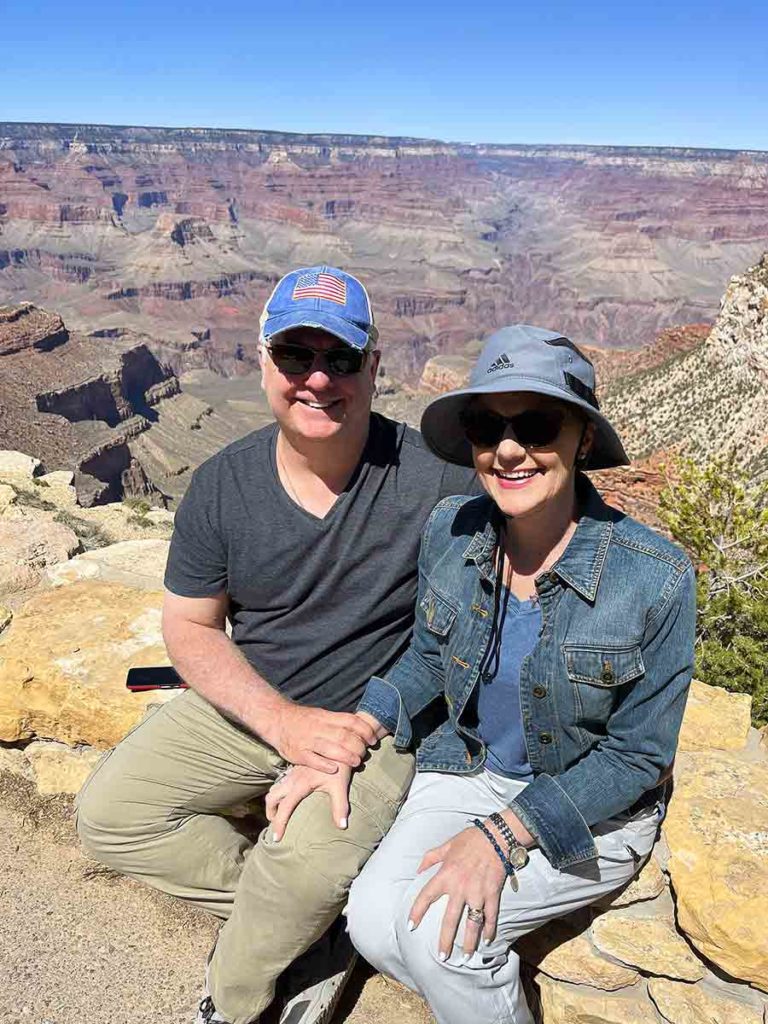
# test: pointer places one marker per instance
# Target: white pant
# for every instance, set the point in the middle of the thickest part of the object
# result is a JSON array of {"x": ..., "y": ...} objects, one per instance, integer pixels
[{"x": 486, "y": 989}]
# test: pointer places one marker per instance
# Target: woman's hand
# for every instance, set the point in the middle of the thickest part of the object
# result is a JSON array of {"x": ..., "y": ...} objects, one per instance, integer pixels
[
  {"x": 298, "y": 782},
  {"x": 471, "y": 875}
]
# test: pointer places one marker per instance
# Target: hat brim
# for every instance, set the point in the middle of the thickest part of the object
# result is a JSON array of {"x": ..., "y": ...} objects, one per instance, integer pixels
[
  {"x": 344, "y": 330},
  {"x": 442, "y": 430}
]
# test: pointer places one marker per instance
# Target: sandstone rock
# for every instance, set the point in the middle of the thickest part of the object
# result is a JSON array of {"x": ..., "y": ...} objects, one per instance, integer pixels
[
  {"x": 561, "y": 952},
  {"x": 136, "y": 563},
  {"x": 648, "y": 943},
  {"x": 680, "y": 1003},
  {"x": 64, "y": 660},
  {"x": 577, "y": 1004},
  {"x": 17, "y": 465},
  {"x": 59, "y": 768},
  {"x": 7, "y": 497},
  {"x": 646, "y": 886},
  {"x": 27, "y": 547},
  {"x": 6, "y": 615},
  {"x": 715, "y": 719},
  {"x": 160, "y": 516},
  {"x": 59, "y": 478},
  {"x": 717, "y": 832},
  {"x": 445, "y": 373},
  {"x": 28, "y": 327},
  {"x": 13, "y": 762}
]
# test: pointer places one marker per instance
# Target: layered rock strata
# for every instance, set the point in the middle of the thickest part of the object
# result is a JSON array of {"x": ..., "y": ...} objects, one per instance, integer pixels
[
  {"x": 109, "y": 409},
  {"x": 175, "y": 232}
]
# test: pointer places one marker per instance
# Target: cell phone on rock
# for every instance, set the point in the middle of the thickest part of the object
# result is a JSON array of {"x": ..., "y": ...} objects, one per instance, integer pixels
[{"x": 158, "y": 677}]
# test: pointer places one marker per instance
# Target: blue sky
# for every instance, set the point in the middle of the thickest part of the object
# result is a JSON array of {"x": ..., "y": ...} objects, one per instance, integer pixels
[{"x": 677, "y": 73}]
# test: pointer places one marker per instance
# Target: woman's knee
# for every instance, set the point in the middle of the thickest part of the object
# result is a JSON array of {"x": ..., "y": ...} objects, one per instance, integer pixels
[{"x": 370, "y": 916}]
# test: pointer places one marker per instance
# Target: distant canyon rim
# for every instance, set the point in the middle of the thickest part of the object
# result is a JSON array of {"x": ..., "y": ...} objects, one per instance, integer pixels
[{"x": 177, "y": 236}]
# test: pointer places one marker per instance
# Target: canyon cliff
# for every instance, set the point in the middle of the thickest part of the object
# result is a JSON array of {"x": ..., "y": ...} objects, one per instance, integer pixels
[
  {"x": 89, "y": 404},
  {"x": 180, "y": 234}
]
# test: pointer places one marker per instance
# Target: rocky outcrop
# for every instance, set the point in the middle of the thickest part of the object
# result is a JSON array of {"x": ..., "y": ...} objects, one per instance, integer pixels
[
  {"x": 84, "y": 404},
  {"x": 713, "y": 399},
  {"x": 717, "y": 831},
  {"x": 28, "y": 547},
  {"x": 27, "y": 327},
  {"x": 445, "y": 373},
  {"x": 42, "y": 525},
  {"x": 64, "y": 660},
  {"x": 133, "y": 563},
  {"x": 137, "y": 382}
]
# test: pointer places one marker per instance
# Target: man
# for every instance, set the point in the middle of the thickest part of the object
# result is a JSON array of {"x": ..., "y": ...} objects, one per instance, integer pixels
[{"x": 305, "y": 536}]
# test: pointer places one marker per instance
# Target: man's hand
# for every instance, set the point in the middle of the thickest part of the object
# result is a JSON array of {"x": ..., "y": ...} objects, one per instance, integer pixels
[
  {"x": 286, "y": 795},
  {"x": 324, "y": 740}
]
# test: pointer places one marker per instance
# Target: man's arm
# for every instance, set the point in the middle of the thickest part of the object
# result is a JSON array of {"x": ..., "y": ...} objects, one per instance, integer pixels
[{"x": 210, "y": 663}]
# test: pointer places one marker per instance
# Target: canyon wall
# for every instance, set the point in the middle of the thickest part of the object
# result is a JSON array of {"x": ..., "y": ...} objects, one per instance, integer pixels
[{"x": 180, "y": 234}]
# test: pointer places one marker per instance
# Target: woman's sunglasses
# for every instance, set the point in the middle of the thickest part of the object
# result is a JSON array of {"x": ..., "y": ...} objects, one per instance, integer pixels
[
  {"x": 299, "y": 359},
  {"x": 534, "y": 428}
]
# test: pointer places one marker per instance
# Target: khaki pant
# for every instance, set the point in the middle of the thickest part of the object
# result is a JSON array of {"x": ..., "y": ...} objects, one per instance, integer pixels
[{"x": 151, "y": 811}]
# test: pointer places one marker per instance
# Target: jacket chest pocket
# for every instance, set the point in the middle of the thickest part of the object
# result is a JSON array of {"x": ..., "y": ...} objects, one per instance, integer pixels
[
  {"x": 598, "y": 675},
  {"x": 439, "y": 614}
]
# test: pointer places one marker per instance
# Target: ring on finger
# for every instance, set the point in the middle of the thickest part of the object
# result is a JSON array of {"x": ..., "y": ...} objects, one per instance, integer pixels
[{"x": 475, "y": 915}]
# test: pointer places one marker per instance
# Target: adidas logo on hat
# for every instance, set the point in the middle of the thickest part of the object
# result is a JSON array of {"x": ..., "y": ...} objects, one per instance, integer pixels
[{"x": 502, "y": 363}]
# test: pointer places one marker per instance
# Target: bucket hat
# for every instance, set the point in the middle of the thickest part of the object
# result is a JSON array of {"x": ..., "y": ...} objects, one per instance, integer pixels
[
  {"x": 323, "y": 297},
  {"x": 531, "y": 359}
]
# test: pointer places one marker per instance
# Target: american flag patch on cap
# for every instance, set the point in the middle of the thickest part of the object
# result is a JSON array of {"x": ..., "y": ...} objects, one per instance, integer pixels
[{"x": 321, "y": 286}]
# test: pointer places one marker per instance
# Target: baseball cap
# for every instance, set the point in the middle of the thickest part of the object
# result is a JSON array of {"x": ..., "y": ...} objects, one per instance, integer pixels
[
  {"x": 323, "y": 297},
  {"x": 523, "y": 358}
]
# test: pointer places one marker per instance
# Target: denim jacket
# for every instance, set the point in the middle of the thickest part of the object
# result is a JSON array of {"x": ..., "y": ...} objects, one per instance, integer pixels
[{"x": 601, "y": 695}]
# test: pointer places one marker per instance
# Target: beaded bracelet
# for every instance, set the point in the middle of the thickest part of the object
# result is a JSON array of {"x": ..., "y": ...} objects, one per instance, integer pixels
[
  {"x": 506, "y": 832},
  {"x": 508, "y": 867}
]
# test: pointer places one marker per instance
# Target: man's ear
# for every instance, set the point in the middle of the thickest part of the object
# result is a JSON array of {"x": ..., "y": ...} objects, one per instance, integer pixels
[{"x": 375, "y": 360}]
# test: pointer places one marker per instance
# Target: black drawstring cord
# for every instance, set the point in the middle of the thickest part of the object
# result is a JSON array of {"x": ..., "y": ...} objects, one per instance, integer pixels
[{"x": 490, "y": 664}]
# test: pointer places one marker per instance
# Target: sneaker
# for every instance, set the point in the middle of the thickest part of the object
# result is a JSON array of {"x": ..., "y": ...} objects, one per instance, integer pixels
[
  {"x": 314, "y": 983},
  {"x": 207, "y": 1014}
]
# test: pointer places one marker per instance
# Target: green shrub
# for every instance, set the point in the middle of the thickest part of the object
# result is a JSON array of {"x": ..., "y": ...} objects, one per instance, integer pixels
[
  {"x": 139, "y": 506},
  {"x": 721, "y": 518}
]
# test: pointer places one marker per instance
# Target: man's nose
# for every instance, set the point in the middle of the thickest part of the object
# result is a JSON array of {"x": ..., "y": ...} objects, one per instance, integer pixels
[{"x": 318, "y": 375}]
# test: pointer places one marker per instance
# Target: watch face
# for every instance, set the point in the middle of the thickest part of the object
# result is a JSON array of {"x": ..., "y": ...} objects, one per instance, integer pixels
[{"x": 518, "y": 857}]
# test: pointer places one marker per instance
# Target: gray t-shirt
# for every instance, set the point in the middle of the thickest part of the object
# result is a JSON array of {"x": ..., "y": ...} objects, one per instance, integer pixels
[{"x": 317, "y": 606}]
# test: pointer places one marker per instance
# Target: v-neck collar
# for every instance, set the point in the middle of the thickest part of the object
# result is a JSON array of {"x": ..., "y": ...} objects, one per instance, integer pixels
[{"x": 340, "y": 498}]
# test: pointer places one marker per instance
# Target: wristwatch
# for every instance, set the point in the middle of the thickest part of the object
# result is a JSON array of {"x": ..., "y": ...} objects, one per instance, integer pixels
[{"x": 517, "y": 855}]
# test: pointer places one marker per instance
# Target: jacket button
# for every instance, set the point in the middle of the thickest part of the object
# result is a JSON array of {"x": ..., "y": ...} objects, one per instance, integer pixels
[
  {"x": 539, "y": 691},
  {"x": 552, "y": 577},
  {"x": 545, "y": 737},
  {"x": 607, "y": 675}
]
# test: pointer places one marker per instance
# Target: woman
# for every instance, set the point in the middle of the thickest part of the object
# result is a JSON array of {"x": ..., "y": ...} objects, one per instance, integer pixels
[{"x": 543, "y": 688}]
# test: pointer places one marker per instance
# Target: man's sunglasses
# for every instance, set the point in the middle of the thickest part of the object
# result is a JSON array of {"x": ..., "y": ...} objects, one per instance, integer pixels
[
  {"x": 289, "y": 357},
  {"x": 534, "y": 428}
]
